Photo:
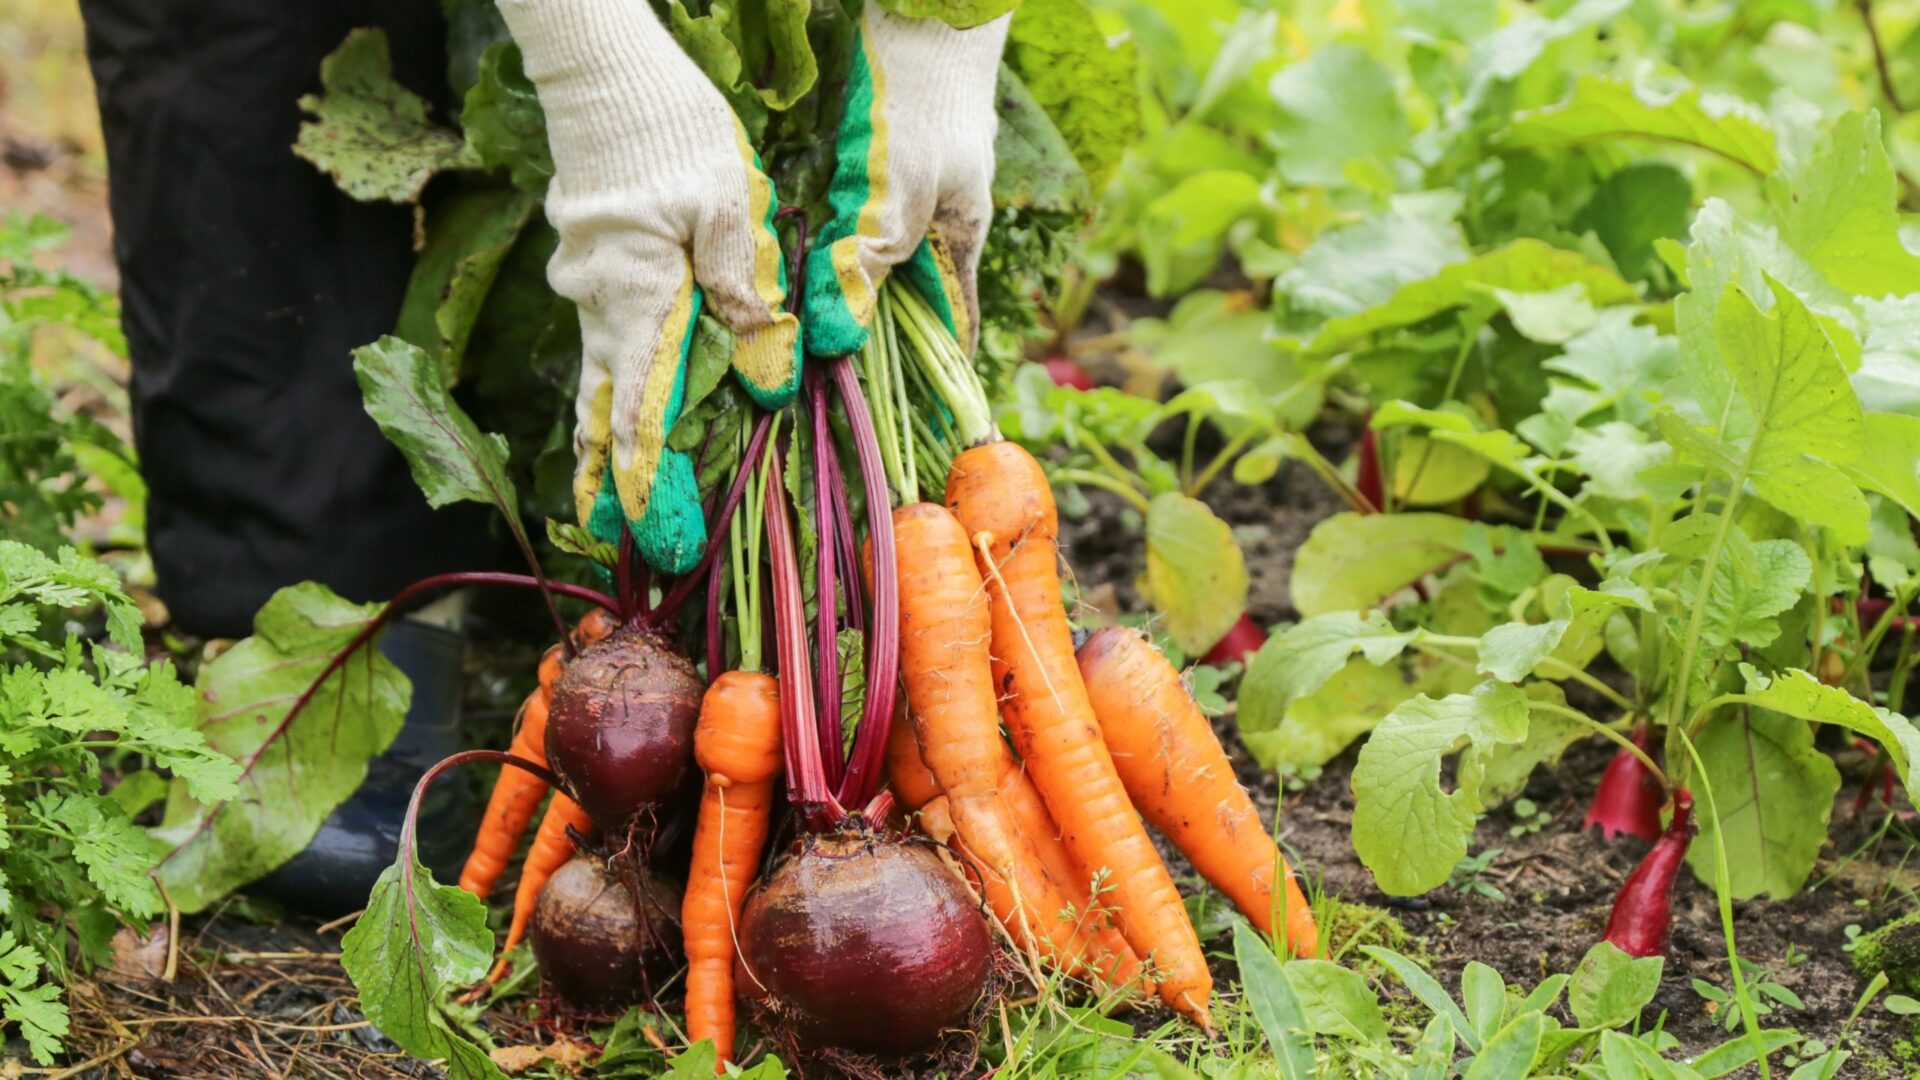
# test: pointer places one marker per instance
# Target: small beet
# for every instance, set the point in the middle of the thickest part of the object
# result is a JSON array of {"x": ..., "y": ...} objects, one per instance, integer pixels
[
  {"x": 1628, "y": 798},
  {"x": 1065, "y": 372},
  {"x": 1643, "y": 909},
  {"x": 865, "y": 942},
  {"x": 1238, "y": 644},
  {"x": 620, "y": 728},
  {"x": 595, "y": 946}
]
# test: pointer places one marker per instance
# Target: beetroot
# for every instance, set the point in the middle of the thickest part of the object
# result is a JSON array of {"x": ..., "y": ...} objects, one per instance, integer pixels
[
  {"x": 1065, "y": 372},
  {"x": 620, "y": 728},
  {"x": 863, "y": 941},
  {"x": 596, "y": 947},
  {"x": 1628, "y": 798},
  {"x": 1643, "y": 909},
  {"x": 1238, "y": 644}
]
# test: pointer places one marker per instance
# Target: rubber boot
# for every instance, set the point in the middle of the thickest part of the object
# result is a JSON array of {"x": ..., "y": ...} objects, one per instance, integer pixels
[{"x": 333, "y": 876}]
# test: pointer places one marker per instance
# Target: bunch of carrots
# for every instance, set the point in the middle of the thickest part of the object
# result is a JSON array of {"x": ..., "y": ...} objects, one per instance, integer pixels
[{"x": 961, "y": 613}]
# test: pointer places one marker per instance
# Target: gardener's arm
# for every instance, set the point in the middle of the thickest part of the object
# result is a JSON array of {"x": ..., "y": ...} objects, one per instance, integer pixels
[{"x": 655, "y": 191}]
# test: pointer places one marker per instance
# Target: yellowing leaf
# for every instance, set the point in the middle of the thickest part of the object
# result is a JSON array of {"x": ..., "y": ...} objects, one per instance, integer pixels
[{"x": 1196, "y": 575}]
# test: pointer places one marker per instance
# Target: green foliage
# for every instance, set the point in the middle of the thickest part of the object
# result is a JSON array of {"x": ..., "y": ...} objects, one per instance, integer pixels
[
  {"x": 42, "y": 478},
  {"x": 73, "y": 864}
]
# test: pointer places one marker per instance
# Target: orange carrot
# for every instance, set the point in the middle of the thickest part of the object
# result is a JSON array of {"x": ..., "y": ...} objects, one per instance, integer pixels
[
  {"x": 738, "y": 744},
  {"x": 550, "y": 850},
  {"x": 1181, "y": 781},
  {"x": 913, "y": 786},
  {"x": 1000, "y": 495},
  {"x": 944, "y": 629},
  {"x": 517, "y": 793},
  {"x": 1119, "y": 964}
]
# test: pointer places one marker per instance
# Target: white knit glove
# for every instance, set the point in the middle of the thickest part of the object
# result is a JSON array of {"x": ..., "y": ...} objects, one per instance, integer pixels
[
  {"x": 658, "y": 197},
  {"x": 913, "y": 176}
]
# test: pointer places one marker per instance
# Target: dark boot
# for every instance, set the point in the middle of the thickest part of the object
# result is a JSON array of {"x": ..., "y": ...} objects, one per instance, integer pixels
[{"x": 359, "y": 841}]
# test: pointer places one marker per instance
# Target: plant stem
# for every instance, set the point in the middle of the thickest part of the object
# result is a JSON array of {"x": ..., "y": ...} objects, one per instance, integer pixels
[
  {"x": 1722, "y": 878},
  {"x": 826, "y": 593},
  {"x": 1603, "y": 729},
  {"x": 1696, "y": 618},
  {"x": 723, "y": 515},
  {"x": 800, "y": 745},
  {"x": 1220, "y": 460},
  {"x": 883, "y": 637},
  {"x": 1579, "y": 675},
  {"x": 1104, "y": 483}
]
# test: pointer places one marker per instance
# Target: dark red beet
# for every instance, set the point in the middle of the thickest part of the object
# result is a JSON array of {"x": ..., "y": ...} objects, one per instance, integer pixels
[
  {"x": 1643, "y": 909},
  {"x": 1238, "y": 644},
  {"x": 1367, "y": 478},
  {"x": 864, "y": 942},
  {"x": 1065, "y": 372},
  {"x": 620, "y": 729},
  {"x": 595, "y": 947},
  {"x": 1628, "y": 798}
]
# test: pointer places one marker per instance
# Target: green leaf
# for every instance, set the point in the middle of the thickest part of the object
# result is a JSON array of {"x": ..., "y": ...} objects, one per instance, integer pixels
[
  {"x": 36, "y": 1008},
  {"x": 1314, "y": 728},
  {"x": 1838, "y": 209},
  {"x": 1737, "y": 1053},
  {"x": 1429, "y": 992},
  {"x": 1336, "y": 106},
  {"x": 1625, "y": 1056},
  {"x": 1511, "y": 1051},
  {"x": 1511, "y": 651},
  {"x": 1753, "y": 584},
  {"x": 1084, "y": 81},
  {"x": 1273, "y": 1001},
  {"x": 1801, "y": 416},
  {"x": 1352, "y": 561},
  {"x": 1352, "y": 268},
  {"x": 1428, "y": 473},
  {"x": 1609, "y": 988},
  {"x": 1407, "y": 829},
  {"x": 418, "y": 942},
  {"x": 1602, "y": 109},
  {"x": 452, "y": 460},
  {"x": 959, "y": 14},
  {"x": 292, "y": 774},
  {"x": 503, "y": 120},
  {"x": 370, "y": 133},
  {"x": 1336, "y": 1000},
  {"x": 1549, "y": 316},
  {"x": 1196, "y": 575},
  {"x": 1484, "y": 995},
  {"x": 1893, "y": 467},
  {"x": 794, "y": 67},
  {"x": 1182, "y": 229},
  {"x": 1630, "y": 210},
  {"x": 469, "y": 233},
  {"x": 1509, "y": 766},
  {"x": 1034, "y": 168},
  {"x": 1796, "y": 693},
  {"x": 1522, "y": 266},
  {"x": 1773, "y": 791},
  {"x": 1297, "y": 663},
  {"x": 116, "y": 853}
]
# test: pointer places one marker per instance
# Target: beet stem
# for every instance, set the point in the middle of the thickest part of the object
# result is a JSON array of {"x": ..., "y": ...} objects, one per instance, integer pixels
[
  {"x": 806, "y": 777},
  {"x": 827, "y": 676},
  {"x": 675, "y": 598},
  {"x": 883, "y": 637},
  {"x": 623, "y": 575}
]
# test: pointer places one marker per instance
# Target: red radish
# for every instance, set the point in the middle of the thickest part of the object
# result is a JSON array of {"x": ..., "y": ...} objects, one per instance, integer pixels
[
  {"x": 1238, "y": 644},
  {"x": 1643, "y": 910},
  {"x": 1628, "y": 799},
  {"x": 598, "y": 945},
  {"x": 864, "y": 941},
  {"x": 1367, "y": 477},
  {"x": 1065, "y": 372},
  {"x": 620, "y": 728}
]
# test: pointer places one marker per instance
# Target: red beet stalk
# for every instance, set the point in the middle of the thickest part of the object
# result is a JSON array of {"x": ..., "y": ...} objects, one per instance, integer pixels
[
  {"x": 1643, "y": 910},
  {"x": 1628, "y": 799},
  {"x": 1238, "y": 644},
  {"x": 1367, "y": 478}
]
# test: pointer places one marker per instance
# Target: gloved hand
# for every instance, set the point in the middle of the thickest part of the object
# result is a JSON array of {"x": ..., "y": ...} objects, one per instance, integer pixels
[
  {"x": 658, "y": 198},
  {"x": 913, "y": 176}
]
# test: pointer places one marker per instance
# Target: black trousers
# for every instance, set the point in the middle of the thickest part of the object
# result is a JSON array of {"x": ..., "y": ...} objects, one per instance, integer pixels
[{"x": 246, "y": 280}]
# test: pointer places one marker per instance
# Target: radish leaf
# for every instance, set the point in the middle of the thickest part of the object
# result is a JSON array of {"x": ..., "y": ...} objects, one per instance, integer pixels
[
  {"x": 1602, "y": 108},
  {"x": 1775, "y": 791},
  {"x": 1407, "y": 829},
  {"x": 1196, "y": 575},
  {"x": 1354, "y": 561}
]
